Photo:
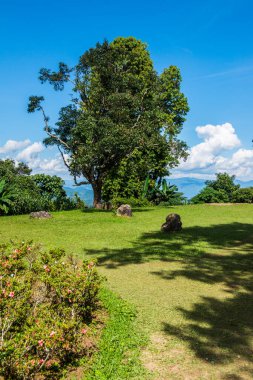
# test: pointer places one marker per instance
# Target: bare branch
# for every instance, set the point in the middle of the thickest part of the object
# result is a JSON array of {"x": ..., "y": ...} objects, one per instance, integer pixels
[
  {"x": 51, "y": 134},
  {"x": 64, "y": 160}
]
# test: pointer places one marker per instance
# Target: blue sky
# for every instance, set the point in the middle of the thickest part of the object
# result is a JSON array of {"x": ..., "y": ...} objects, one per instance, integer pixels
[{"x": 210, "y": 41}]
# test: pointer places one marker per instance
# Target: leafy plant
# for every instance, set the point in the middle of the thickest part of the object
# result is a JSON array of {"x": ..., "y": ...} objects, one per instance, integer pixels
[
  {"x": 6, "y": 197},
  {"x": 162, "y": 192},
  {"x": 47, "y": 306}
]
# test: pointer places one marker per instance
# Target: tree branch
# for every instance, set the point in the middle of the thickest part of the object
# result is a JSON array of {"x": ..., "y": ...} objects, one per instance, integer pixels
[
  {"x": 51, "y": 134},
  {"x": 62, "y": 155},
  {"x": 80, "y": 183}
]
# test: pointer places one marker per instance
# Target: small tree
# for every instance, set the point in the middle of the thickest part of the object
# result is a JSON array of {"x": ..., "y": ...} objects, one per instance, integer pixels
[
  {"x": 51, "y": 188},
  {"x": 210, "y": 195},
  {"x": 220, "y": 190},
  {"x": 120, "y": 105},
  {"x": 224, "y": 182}
]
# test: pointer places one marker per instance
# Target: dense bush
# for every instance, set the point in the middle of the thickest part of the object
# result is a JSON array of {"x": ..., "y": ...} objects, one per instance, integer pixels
[
  {"x": 244, "y": 195},
  {"x": 47, "y": 304},
  {"x": 34, "y": 192},
  {"x": 210, "y": 195},
  {"x": 220, "y": 190}
]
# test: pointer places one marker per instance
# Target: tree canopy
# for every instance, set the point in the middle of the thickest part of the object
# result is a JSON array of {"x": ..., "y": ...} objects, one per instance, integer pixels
[
  {"x": 120, "y": 107},
  {"x": 221, "y": 190},
  {"x": 21, "y": 192}
]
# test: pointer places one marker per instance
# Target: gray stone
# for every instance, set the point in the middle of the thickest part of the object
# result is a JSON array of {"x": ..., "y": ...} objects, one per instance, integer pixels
[
  {"x": 124, "y": 210},
  {"x": 40, "y": 215},
  {"x": 173, "y": 223}
]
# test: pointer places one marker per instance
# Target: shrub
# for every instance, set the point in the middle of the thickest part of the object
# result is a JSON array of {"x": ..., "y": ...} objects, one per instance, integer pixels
[
  {"x": 47, "y": 304},
  {"x": 220, "y": 190},
  {"x": 26, "y": 201},
  {"x": 210, "y": 195},
  {"x": 243, "y": 195}
]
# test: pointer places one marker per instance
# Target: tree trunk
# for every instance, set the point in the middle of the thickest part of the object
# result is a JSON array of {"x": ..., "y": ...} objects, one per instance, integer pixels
[{"x": 97, "y": 192}]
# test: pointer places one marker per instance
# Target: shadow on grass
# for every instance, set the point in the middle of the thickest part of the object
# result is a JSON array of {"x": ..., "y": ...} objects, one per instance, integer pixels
[
  {"x": 217, "y": 330},
  {"x": 192, "y": 242}
]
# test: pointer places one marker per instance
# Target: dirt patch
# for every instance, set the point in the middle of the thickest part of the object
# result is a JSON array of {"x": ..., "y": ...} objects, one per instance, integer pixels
[{"x": 168, "y": 359}]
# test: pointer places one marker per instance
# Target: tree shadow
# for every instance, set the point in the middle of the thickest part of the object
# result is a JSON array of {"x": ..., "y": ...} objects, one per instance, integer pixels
[
  {"x": 218, "y": 330},
  {"x": 189, "y": 244}
]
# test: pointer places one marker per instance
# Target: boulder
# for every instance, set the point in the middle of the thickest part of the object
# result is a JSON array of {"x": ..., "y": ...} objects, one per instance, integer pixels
[
  {"x": 173, "y": 223},
  {"x": 124, "y": 210},
  {"x": 40, "y": 215}
]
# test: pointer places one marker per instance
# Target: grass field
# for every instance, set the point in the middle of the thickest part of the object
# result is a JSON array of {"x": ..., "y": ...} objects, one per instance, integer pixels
[{"x": 193, "y": 290}]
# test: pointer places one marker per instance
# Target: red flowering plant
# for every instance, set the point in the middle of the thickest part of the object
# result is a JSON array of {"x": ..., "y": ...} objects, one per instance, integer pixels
[{"x": 47, "y": 305}]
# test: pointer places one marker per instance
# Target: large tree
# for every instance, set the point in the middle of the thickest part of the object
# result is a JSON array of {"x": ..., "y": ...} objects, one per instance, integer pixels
[{"x": 121, "y": 105}]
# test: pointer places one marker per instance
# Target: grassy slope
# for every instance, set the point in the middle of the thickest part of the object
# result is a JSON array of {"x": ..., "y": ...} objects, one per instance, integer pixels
[{"x": 193, "y": 290}]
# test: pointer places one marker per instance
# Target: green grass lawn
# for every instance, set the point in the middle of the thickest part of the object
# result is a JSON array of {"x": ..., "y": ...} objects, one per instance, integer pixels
[{"x": 193, "y": 290}]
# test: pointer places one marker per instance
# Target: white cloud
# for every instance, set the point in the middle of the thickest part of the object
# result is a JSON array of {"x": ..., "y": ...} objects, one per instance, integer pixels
[
  {"x": 31, "y": 152},
  {"x": 217, "y": 138},
  {"x": 13, "y": 146},
  {"x": 239, "y": 164},
  {"x": 48, "y": 165},
  {"x": 211, "y": 155},
  {"x": 180, "y": 174},
  {"x": 36, "y": 156}
]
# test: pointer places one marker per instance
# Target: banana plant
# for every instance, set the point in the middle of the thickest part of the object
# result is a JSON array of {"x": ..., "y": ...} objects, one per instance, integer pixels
[
  {"x": 162, "y": 192},
  {"x": 6, "y": 198}
]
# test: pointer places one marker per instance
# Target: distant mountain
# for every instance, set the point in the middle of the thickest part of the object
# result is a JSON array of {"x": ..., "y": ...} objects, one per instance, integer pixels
[
  {"x": 188, "y": 186},
  {"x": 85, "y": 193},
  {"x": 192, "y": 186}
]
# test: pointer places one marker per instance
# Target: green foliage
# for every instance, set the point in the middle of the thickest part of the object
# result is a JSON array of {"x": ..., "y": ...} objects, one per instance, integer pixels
[
  {"x": 24, "y": 193},
  {"x": 224, "y": 182},
  {"x": 243, "y": 195},
  {"x": 51, "y": 190},
  {"x": 123, "y": 111},
  {"x": 162, "y": 192},
  {"x": 47, "y": 304},
  {"x": 6, "y": 197},
  {"x": 50, "y": 186},
  {"x": 220, "y": 190},
  {"x": 210, "y": 195}
]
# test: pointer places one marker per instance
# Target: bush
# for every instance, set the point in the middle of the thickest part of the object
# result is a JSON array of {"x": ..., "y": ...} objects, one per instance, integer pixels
[
  {"x": 210, "y": 195},
  {"x": 133, "y": 202},
  {"x": 47, "y": 304},
  {"x": 243, "y": 195},
  {"x": 27, "y": 201}
]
